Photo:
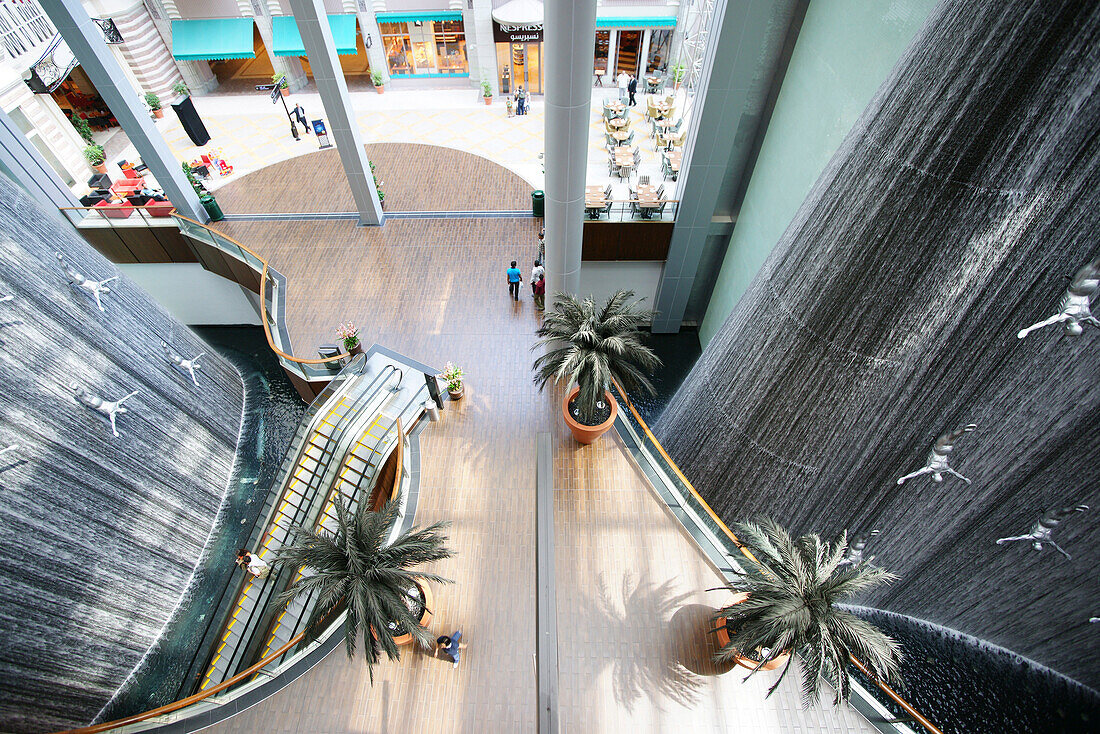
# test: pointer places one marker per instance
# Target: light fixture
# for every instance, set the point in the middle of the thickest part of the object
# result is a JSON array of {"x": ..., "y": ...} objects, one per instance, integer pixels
[{"x": 367, "y": 41}]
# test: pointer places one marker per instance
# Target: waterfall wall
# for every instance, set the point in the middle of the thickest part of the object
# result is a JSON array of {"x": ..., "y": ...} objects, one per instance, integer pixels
[
  {"x": 953, "y": 215},
  {"x": 101, "y": 534}
]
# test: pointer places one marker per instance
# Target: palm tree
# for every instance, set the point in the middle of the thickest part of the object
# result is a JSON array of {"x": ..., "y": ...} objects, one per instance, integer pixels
[
  {"x": 354, "y": 566},
  {"x": 794, "y": 587},
  {"x": 589, "y": 346}
]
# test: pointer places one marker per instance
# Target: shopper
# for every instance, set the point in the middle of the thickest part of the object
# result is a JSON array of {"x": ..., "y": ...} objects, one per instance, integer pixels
[
  {"x": 451, "y": 646},
  {"x": 252, "y": 563},
  {"x": 623, "y": 80},
  {"x": 536, "y": 273},
  {"x": 540, "y": 293},
  {"x": 632, "y": 89},
  {"x": 522, "y": 104},
  {"x": 300, "y": 114},
  {"x": 515, "y": 278}
]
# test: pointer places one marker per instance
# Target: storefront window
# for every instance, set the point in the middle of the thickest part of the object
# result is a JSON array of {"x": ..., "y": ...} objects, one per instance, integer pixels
[
  {"x": 395, "y": 38},
  {"x": 602, "y": 47},
  {"x": 660, "y": 41},
  {"x": 450, "y": 47}
]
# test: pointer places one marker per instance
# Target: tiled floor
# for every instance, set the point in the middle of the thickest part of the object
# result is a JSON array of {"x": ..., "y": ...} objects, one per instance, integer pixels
[{"x": 632, "y": 604}]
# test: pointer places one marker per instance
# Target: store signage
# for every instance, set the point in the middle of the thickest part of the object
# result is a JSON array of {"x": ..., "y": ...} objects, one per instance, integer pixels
[{"x": 512, "y": 33}]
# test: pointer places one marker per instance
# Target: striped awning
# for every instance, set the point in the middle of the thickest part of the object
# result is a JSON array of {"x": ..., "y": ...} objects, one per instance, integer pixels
[
  {"x": 287, "y": 41},
  {"x": 212, "y": 38}
]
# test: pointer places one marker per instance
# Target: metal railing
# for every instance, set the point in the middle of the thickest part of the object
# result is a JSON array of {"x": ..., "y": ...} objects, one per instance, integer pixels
[
  {"x": 696, "y": 510},
  {"x": 627, "y": 210}
]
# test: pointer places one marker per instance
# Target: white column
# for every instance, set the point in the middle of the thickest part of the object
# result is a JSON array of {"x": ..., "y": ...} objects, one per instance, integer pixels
[
  {"x": 317, "y": 39},
  {"x": 478, "y": 24},
  {"x": 31, "y": 171},
  {"x": 196, "y": 74},
  {"x": 288, "y": 65},
  {"x": 568, "y": 26},
  {"x": 643, "y": 57},
  {"x": 376, "y": 53},
  {"x": 612, "y": 51},
  {"x": 85, "y": 40}
]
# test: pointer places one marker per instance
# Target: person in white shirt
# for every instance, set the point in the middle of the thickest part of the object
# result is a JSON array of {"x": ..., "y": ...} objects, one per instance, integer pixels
[
  {"x": 623, "y": 80},
  {"x": 536, "y": 272},
  {"x": 252, "y": 563}
]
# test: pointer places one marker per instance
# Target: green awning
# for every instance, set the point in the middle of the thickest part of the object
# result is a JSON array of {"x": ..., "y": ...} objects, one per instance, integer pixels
[
  {"x": 287, "y": 41},
  {"x": 213, "y": 38},
  {"x": 422, "y": 16},
  {"x": 660, "y": 22}
]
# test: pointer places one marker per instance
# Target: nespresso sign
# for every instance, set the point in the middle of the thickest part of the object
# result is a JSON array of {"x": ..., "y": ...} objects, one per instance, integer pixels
[{"x": 507, "y": 33}]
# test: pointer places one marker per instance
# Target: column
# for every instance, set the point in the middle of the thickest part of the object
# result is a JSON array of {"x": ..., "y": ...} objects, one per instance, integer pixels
[
  {"x": 376, "y": 51},
  {"x": 196, "y": 74},
  {"x": 29, "y": 169},
  {"x": 643, "y": 57},
  {"x": 288, "y": 65},
  {"x": 85, "y": 39},
  {"x": 317, "y": 39},
  {"x": 478, "y": 23},
  {"x": 568, "y": 26},
  {"x": 612, "y": 51},
  {"x": 722, "y": 106}
]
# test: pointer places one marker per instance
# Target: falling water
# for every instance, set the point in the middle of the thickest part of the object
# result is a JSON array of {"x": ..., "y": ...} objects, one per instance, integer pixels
[
  {"x": 948, "y": 220},
  {"x": 102, "y": 534}
]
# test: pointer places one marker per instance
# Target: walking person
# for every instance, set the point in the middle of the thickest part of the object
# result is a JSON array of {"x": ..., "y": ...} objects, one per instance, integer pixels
[
  {"x": 252, "y": 563},
  {"x": 515, "y": 278},
  {"x": 536, "y": 272},
  {"x": 451, "y": 646},
  {"x": 623, "y": 81},
  {"x": 522, "y": 100},
  {"x": 632, "y": 89},
  {"x": 300, "y": 114},
  {"x": 540, "y": 293}
]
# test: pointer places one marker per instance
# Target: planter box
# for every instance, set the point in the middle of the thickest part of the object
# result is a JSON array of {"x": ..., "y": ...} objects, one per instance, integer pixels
[
  {"x": 117, "y": 210},
  {"x": 158, "y": 208}
]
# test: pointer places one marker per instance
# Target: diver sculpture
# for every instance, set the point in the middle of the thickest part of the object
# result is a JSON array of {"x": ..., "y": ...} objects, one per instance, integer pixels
[
  {"x": 93, "y": 287},
  {"x": 104, "y": 407},
  {"x": 854, "y": 556},
  {"x": 183, "y": 365},
  {"x": 1075, "y": 308},
  {"x": 6, "y": 449},
  {"x": 1042, "y": 530},
  {"x": 936, "y": 463}
]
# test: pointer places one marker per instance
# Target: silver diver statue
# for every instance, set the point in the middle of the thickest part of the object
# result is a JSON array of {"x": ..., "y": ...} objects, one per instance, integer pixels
[
  {"x": 183, "y": 365},
  {"x": 936, "y": 463},
  {"x": 1075, "y": 308},
  {"x": 104, "y": 407},
  {"x": 1042, "y": 530},
  {"x": 854, "y": 556},
  {"x": 76, "y": 280}
]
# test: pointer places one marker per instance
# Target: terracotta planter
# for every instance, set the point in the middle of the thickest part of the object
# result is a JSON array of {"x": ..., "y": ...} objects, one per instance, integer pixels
[
  {"x": 101, "y": 168},
  {"x": 587, "y": 434},
  {"x": 425, "y": 618},
  {"x": 381, "y": 89},
  {"x": 745, "y": 662},
  {"x": 158, "y": 114},
  {"x": 285, "y": 91},
  {"x": 488, "y": 100},
  {"x": 456, "y": 394}
]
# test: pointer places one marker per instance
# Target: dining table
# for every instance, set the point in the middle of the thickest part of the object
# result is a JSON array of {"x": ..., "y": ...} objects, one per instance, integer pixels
[
  {"x": 620, "y": 136},
  {"x": 647, "y": 199},
  {"x": 674, "y": 158},
  {"x": 624, "y": 158},
  {"x": 618, "y": 123},
  {"x": 652, "y": 83}
]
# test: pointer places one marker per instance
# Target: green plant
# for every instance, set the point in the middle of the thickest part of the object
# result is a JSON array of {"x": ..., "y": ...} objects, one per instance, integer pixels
[
  {"x": 453, "y": 374},
  {"x": 377, "y": 184},
  {"x": 589, "y": 346},
  {"x": 794, "y": 588},
  {"x": 82, "y": 128},
  {"x": 354, "y": 566},
  {"x": 94, "y": 154},
  {"x": 152, "y": 100},
  {"x": 679, "y": 71},
  {"x": 280, "y": 80},
  {"x": 192, "y": 180},
  {"x": 376, "y": 78},
  {"x": 486, "y": 88},
  {"x": 349, "y": 335},
  {"x": 181, "y": 89}
]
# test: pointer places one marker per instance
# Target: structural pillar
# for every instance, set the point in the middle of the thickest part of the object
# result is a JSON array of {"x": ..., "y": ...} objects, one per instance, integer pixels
[
  {"x": 196, "y": 74},
  {"x": 478, "y": 22},
  {"x": 643, "y": 57},
  {"x": 317, "y": 40},
  {"x": 289, "y": 66},
  {"x": 570, "y": 36},
  {"x": 28, "y": 168},
  {"x": 372, "y": 34},
  {"x": 85, "y": 40}
]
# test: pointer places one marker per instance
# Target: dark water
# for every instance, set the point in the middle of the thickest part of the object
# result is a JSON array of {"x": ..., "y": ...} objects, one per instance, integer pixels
[
  {"x": 679, "y": 353},
  {"x": 966, "y": 687},
  {"x": 273, "y": 410}
]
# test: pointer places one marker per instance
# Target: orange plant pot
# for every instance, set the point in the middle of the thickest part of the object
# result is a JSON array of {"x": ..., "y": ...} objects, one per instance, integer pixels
[
  {"x": 488, "y": 100},
  {"x": 158, "y": 114},
  {"x": 425, "y": 618},
  {"x": 381, "y": 89},
  {"x": 587, "y": 434},
  {"x": 723, "y": 636}
]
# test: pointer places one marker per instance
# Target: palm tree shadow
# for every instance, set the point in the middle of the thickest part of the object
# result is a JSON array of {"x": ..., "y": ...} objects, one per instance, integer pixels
[
  {"x": 643, "y": 614},
  {"x": 690, "y": 625}
]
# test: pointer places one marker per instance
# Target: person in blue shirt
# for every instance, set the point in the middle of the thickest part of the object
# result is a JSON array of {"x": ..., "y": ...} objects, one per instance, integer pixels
[
  {"x": 515, "y": 278},
  {"x": 451, "y": 646}
]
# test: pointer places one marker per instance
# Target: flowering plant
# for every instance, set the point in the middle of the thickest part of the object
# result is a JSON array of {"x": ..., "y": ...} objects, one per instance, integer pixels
[
  {"x": 453, "y": 374},
  {"x": 350, "y": 335}
]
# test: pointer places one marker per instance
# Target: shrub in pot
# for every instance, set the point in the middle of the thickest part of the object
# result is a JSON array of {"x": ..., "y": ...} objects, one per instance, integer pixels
[
  {"x": 96, "y": 158},
  {"x": 377, "y": 81},
  {"x": 283, "y": 84},
  {"x": 353, "y": 567},
  {"x": 487, "y": 92},
  {"x": 181, "y": 89},
  {"x": 154, "y": 104},
  {"x": 588, "y": 345},
  {"x": 787, "y": 601}
]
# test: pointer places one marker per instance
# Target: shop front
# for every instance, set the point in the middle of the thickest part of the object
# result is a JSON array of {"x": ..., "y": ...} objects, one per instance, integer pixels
[
  {"x": 426, "y": 44},
  {"x": 517, "y": 31},
  {"x": 638, "y": 46}
]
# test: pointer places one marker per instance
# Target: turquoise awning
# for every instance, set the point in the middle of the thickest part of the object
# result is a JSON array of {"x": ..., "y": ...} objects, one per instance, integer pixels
[
  {"x": 662, "y": 22},
  {"x": 287, "y": 41},
  {"x": 213, "y": 38},
  {"x": 427, "y": 15}
]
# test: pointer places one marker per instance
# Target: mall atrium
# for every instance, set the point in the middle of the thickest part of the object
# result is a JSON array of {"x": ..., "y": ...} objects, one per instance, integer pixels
[{"x": 532, "y": 365}]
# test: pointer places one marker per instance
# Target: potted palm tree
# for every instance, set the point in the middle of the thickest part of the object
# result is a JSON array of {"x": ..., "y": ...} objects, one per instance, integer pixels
[
  {"x": 788, "y": 601},
  {"x": 353, "y": 567},
  {"x": 588, "y": 346}
]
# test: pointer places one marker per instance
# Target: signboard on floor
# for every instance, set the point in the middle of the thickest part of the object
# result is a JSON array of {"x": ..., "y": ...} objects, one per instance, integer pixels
[{"x": 322, "y": 133}]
